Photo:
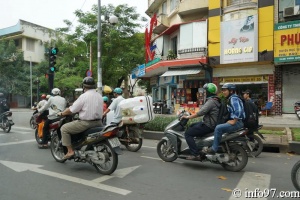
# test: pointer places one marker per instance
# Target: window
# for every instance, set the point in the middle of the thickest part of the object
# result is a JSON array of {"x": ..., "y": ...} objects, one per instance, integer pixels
[
  {"x": 174, "y": 45},
  {"x": 164, "y": 8},
  {"x": 30, "y": 44},
  {"x": 173, "y": 4}
]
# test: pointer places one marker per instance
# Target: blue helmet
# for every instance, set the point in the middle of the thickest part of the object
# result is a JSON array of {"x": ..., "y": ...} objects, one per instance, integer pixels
[
  {"x": 105, "y": 98},
  {"x": 118, "y": 90},
  {"x": 229, "y": 86}
]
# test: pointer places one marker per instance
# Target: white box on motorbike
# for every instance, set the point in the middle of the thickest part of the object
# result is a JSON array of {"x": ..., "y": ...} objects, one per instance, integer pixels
[{"x": 137, "y": 110}]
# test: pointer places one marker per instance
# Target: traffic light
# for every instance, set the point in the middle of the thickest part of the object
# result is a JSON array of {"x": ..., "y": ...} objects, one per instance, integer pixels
[{"x": 52, "y": 59}]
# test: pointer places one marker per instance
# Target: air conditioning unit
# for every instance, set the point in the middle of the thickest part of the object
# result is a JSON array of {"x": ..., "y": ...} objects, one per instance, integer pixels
[{"x": 290, "y": 11}]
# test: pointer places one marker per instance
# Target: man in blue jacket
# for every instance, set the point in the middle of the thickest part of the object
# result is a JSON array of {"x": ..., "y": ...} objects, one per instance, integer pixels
[{"x": 236, "y": 116}]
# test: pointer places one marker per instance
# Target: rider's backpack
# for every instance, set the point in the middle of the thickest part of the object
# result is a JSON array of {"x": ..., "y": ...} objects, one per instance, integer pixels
[
  {"x": 4, "y": 105},
  {"x": 223, "y": 115},
  {"x": 251, "y": 115}
]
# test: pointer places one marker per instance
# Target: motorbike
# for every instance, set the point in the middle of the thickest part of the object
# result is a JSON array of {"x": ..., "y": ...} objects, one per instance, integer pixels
[
  {"x": 295, "y": 175},
  {"x": 40, "y": 121},
  {"x": 297, "y": 109},
  {"x": 98, "y": 146},
  {"x": 230, "y": 155},
  {"x": 6, "y": 121},
  {"x": 130, "y": 135}
]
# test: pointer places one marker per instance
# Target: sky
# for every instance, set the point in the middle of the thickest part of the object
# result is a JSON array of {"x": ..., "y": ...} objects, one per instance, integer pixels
[{"x": 51, "y": 13}]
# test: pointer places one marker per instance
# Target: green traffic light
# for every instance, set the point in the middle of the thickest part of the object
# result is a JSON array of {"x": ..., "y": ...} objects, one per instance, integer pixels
[
  {"x": 54, "y": 51},
  {"x": 52, "y": 69}
]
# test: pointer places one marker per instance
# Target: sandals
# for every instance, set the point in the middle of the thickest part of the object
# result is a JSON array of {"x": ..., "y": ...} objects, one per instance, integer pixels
[{"x": 68, "y": 156}]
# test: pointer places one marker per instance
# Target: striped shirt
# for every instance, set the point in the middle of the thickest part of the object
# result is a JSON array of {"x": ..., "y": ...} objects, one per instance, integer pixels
[{"x": 89, "y": 105}]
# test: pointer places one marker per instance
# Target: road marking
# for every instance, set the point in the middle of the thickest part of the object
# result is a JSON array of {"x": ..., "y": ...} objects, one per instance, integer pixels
[
  {"x": 21, "y": 167},
  {"x": 151, "y": 157},
  {"x": 250, "y": 181},
  {"x": 149, "y": 147},
  {"x": 20, "y": 142}
]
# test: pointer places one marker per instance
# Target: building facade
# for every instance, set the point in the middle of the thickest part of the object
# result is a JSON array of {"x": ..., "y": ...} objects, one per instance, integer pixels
[{"x": 30, "y": 39}]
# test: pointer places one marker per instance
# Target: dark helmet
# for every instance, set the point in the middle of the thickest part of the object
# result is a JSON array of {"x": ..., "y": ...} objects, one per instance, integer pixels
[
  {"x": 211, "y": 88},
  {"x": 88, "y": 82},
  {"x": 229, "y": 86}
]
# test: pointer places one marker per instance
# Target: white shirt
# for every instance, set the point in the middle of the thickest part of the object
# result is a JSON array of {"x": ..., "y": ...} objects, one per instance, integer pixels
[
  {"x": 115, "y": 107},
  {"x": 41, "y": 103},
  {"x": 89, "y": 105},
  {"x": 57, "y": 102}
]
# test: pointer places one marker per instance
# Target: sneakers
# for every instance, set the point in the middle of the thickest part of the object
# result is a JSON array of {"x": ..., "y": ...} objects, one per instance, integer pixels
[{"x": 209, "y": 151}]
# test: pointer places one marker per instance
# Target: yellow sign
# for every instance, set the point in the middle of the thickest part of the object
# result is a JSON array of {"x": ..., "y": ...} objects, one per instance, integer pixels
[{"x": 244, "y": 79}]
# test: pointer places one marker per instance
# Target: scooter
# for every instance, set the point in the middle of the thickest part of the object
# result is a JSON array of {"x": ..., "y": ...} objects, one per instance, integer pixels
[
  {"x": 98, "y": 146},
  {"x": 6, "y": 121},
  {"x": 230, "y": 155},
  {"x": 297, "y": 109}
]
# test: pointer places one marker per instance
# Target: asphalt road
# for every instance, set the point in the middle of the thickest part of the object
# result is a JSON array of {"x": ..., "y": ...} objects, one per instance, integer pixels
[{"x": 29, "y": 173}]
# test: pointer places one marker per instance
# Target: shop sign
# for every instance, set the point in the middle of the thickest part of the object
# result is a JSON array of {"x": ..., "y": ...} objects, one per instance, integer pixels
[
  {"x": 152, "y": 62},
  {"x": 138, "y": 71},
  {"x": 251, "y": 79},
  {"x": 239, "y": 40},
  {"x": 286, "y": 42},
  {"x": 166, "y": 80}
]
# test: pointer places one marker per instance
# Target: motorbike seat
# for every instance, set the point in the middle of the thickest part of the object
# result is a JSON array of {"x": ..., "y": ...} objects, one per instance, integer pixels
[{"x": 93, "y": 130}]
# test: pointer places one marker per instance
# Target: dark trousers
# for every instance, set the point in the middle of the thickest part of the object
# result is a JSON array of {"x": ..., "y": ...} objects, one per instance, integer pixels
[
  {"x": 46, "y": 130},
  {"x": 196, "y": 130}
]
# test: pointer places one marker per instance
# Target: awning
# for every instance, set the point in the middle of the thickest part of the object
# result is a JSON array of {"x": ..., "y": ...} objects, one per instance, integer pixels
[{"x": 178, "y": 72}]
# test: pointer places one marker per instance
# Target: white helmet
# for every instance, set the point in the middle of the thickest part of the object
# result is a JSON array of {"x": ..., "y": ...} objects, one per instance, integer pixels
[
  {"x": 48, "y": 96},
  {"x": 55, "y": 91}
]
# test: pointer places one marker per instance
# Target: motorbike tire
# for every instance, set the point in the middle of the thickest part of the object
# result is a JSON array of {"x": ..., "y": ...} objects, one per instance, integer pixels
[
  {"x": 57, "y": 150},
  {"x": 236, "y": 151},
  {"x": 37, "y": 138},
  {"x": 295, "y": 174},
  {"x": 7, "y": 126},
  {"x": 107, "y": 168},
  {"x": 32, "y": 123},
  {"x": 164, "y": 150},
  {"x": 133, "y": 147},
  {"x": 258, "y": 146}
]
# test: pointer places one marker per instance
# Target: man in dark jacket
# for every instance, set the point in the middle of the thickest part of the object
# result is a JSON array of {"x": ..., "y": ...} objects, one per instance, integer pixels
[
  {"x": 210, "y": 111},
  {"x": 3, "y": 104}
]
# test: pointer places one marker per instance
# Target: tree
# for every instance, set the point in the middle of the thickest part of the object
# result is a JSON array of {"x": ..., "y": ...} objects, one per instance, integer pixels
[{"x": 14, "y": 75}]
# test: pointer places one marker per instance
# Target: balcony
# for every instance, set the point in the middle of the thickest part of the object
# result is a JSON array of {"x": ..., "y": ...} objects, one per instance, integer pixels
[
  {"x": 153, "y": 7},
  {"x": 163, "y": 23},
  {"x": 233, "y": 5},
  {"x": 192, "y": 7}
]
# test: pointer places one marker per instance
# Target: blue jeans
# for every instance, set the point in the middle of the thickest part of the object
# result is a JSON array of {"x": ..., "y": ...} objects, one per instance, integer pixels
[
  {"x": 225, "y": 128},
  {"x": 196, "y": 130}
]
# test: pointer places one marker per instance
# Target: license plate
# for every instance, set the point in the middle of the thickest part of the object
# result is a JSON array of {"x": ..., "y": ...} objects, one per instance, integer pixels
[{"x": 114, "y": 142}]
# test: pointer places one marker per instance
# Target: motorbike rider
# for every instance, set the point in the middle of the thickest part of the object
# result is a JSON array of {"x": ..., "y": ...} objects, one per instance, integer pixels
[
  {"x": 89, "y": 105},
  {"x": 54, "y": 103},
  {"x": 105, "y": 103},
  {"x": 2, "y": 102},
  {"x": 210, "y": 112},
  {"x": 236, "y": 115},
  {"x": 115, "y": 106},
  {"x": 41, "y": 103}
]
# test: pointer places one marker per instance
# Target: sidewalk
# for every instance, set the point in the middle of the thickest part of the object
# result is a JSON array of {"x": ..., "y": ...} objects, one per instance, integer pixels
[{"x": 282, "y": 143}]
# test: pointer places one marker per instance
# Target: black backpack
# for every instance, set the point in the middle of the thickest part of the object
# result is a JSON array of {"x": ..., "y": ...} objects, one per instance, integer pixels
[
  {"x": 4, "y": 105},
  {"x": 251, "y": 115},
  {"x": 223, "y": 115}
]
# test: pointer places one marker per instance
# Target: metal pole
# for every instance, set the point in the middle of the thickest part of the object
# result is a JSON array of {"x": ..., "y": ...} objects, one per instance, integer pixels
[
  {"x": 90, "y": 55},
  {"x": 30, "y": 83},
  {"x": 99, "y": 83}
]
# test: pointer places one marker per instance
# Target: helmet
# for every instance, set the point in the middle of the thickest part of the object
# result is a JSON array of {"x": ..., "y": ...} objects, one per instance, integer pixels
[
  {"x": 1, "y": 94},
  {"x": 229, "y": 86},
  {"x": 55, "y": 91},
  {"x": 43, "y": 96},
  {"x": 48, "y": 96},
  {"x": 211, "y": 88},
  {"x": 118, "y": 90},
  {"x": 105, "y": 98},
  {"x": 88, "y": 82}
]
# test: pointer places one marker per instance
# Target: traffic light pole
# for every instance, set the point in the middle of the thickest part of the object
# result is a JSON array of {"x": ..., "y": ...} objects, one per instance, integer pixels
[{"x": 50, "y": 75}]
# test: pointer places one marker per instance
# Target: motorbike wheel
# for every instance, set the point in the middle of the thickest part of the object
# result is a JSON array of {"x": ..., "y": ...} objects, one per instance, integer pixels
[
  {"x": 298, "y": 115},
  {"x": 57, "y": 150},
  {"x": 257, "y": 146},
  {"x": 37, "y": 138},
  {"x": 136, "y": 143},
  {"x": 295, "y": 174},
  {"x": 111, "y": 159},
  {"x": 238, "y": 159},
  {"x": 166, "y": 151},
  {"x": 32, "y": 123},
  {"x": 6, "y": 125}
]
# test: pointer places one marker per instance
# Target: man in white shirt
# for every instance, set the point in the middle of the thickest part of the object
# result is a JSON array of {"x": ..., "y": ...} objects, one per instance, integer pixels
[
  {"x": 54, "y": 104},
  {"x": 89, "y": 105},
  {"x": 115, "y": 106}
]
